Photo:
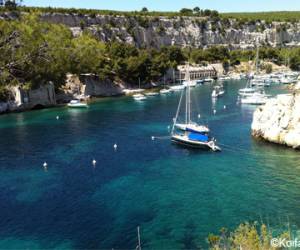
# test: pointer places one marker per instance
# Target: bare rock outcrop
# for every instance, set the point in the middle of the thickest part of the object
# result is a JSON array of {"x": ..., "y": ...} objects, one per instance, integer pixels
[
  {"x": 181, "y": 31},
  {"x": 87, "y": 85},
  {"x": 278, "y": 120}
]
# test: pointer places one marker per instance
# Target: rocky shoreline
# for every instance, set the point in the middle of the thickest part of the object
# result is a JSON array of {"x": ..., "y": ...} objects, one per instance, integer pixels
[
  {"x": 278, "y": 121},
  {"x": 85, "y": 87}
]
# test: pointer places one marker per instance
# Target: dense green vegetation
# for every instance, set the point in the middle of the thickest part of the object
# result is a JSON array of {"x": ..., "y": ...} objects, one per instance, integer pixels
[
  {"x": 279, "y": 56},
  {"x": 246, "y": 236},
  {"x": 34, "y": 52},
  {"x": 282, "y": 16},
  {"x": 197, "y": 12}
]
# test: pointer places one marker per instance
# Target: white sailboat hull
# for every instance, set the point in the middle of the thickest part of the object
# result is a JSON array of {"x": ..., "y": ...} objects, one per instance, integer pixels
[
  {"x": 79, "y": 105},
  {"x": 192, "y": 127},
  {"x": 254, "y": 100},
  {"x": 185, "y": 141}
]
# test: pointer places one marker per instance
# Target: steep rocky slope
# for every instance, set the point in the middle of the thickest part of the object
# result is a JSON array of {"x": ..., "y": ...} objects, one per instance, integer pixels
[
  {"x": 181, "y": 31},
  {"x": 278, "y": 120}
]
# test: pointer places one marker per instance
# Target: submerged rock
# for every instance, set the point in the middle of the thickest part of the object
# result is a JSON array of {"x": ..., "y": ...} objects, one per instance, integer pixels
[{"x": 278, "y": 120}]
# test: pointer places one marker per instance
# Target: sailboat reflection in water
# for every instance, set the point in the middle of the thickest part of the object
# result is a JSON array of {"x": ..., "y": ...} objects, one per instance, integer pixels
[{"x": 189, "y": 133}]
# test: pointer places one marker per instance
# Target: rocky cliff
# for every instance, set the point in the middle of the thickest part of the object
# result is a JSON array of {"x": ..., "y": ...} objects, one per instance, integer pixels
[
  {"x": 22, "y": 99},
  {"x": 87, "y": 85},
  {"x": 278, "y": 120},
  {"x": 182, "y": 31}
]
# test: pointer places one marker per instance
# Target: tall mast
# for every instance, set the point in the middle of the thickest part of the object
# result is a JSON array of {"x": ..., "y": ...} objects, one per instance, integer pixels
[
  {"x": 257, "y": 56},
  {"x": 139, "y": 247},
  {"x": 186, "y": 94}
]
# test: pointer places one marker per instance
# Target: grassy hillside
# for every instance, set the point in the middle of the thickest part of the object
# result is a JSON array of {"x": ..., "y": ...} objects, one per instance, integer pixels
[
  {"x": 291, "y": 16},
  {"x": 93, "y": 12},
  {"x": 282, "y": 16}
]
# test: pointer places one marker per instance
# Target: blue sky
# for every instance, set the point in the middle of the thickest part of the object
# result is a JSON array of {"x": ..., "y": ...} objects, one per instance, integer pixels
[{"x": 173, "y": 5}]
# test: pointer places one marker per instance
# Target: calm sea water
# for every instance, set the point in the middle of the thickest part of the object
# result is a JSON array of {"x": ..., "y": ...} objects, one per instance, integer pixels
[{"x": 177, "y": 196}]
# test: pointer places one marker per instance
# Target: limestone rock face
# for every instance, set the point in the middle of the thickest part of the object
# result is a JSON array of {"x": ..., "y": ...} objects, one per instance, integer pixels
[
  {"x": 180, "y": 31},
  {"x": 87, "y": 85},
  {"x": 22, "y": 99},
  {"x": 278, "y": 120},
  {"x": 93, "y": 86}
]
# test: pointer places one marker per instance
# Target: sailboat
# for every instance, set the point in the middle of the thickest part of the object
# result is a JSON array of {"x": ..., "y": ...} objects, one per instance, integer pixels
[
  {"x": 190, "y": 133},
  {"x": 218, "y": 91},
  {"x": 248, "y": 90},
  {"x": 139, "y": 97}
]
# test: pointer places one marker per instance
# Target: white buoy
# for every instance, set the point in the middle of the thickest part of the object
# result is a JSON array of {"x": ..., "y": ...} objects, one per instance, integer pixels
[
  {"x": 57, "y": 117},
  {"x": 224, "y": 106},
  {"x": 215, "y": 111},
  {"x": 169, "y": 127},
  {"x": 45, "y": 166},
  {"x": 152, "y": 138},
  {"x": 199, "y": 116},
  {"x": 94, "y": 162},
  {"x": 115, "y": 146}
]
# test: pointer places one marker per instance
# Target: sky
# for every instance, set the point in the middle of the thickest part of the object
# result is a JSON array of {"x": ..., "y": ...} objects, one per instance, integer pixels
[{"x": 173, "y": 5}]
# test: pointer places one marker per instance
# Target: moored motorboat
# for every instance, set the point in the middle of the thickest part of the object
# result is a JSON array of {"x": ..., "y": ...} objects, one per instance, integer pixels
[
  {"x": 164, "y": 91},
  {"x": 139, "y": 97},
  {"x": 209, "y": 80},
  {"x": 288, "y": 80},
  {"x": 260, "y": 82},
  {"x": 199, "y": 81},
  {"x": 151, "y": 94},
  {"x": 247, "y": 91},
  {"x": 77, "y": 104},
  {"x": 177, "y": 87},
  {"x": 190, "y": 83},
  {"x": 255, "y": 99},
  {"x": 217, "y": 91}
]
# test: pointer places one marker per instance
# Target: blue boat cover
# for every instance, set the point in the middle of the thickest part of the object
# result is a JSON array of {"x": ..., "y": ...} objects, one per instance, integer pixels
[{"x": 198, "y": 137}]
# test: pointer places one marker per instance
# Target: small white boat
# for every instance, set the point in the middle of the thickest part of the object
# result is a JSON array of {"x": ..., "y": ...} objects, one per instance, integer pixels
[
  {"x": 132, "y": 91},
  {"x": 247, "y": 92},
  {"x": 208, "y": 80},
  {"x": 224, "y": 78},
  {"x": 189, "y": 83},
  {"x": 139, "y": 97},
  {"x": 151, "y": 94},
  {"x": 260, "y": 82},
  {"x": 177, "y": 87},
  {"x": 255, "y": 99},
  {"x": 235, "y": 77},
  {"x": 288, "y": 80},
  {"x": 164, "y": 91},
  {"x": 77, "y": 104},
  {"x": 218, "y": 91}
]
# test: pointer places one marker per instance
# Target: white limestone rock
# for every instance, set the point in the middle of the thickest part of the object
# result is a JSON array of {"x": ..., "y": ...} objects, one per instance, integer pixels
[{"x": 278, "y": 120}]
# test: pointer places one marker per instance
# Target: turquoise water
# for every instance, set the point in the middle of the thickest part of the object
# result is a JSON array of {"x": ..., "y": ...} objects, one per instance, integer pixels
[{"x": 177, "y": 196}]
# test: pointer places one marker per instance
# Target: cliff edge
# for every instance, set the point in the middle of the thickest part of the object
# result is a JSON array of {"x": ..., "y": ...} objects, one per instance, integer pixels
[{"x": 278, "y": 120}]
